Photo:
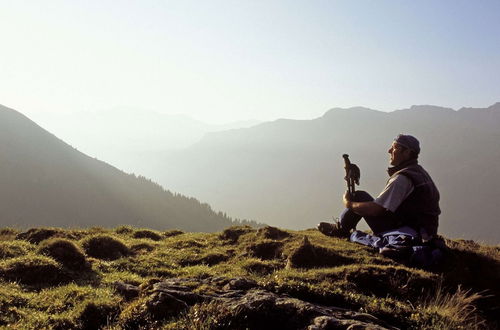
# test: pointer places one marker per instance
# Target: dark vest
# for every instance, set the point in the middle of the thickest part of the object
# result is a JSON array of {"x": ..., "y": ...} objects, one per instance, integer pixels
[{"x": 420, "y": 210}]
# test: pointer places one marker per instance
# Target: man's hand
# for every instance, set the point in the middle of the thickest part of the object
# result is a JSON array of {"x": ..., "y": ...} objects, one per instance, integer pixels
[
  {"x": 347, "y": 200},
  {"x": 362, "y": 208}
]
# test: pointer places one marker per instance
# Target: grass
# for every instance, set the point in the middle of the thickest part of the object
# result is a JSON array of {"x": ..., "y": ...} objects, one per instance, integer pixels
[{"x": 43, "y": 286}]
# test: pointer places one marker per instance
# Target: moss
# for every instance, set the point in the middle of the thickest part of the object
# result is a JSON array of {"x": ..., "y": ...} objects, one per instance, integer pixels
[{"x": 105, "y": 247}]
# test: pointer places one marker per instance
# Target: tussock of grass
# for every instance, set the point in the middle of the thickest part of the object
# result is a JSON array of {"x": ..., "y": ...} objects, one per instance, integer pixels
[
  {"x": 142, "y": 247},
  {"x": 105, "y": 247},
  {"x": 11, "y": 249},
  {"x": 124, "y": 230},
  {"x": 36, "y": 235},
  {"x": 66, "y": 252},
  {"x": 232, "y": 234},
  {"x": 266, "y": 250},
  {"x": 445, "y": 310},
  {"x": 308, "y": 255},
  {"x": 148, "y": 234},
  {"x": 171, "y": 233},
  {"x": 273, "y": 233},
  {"x": 33, "y": 270},
  {"x": 8, "y": 234}
]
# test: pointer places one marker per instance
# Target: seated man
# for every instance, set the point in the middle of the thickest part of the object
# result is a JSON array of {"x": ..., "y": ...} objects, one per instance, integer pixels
[{"x": 410, "y": 198}]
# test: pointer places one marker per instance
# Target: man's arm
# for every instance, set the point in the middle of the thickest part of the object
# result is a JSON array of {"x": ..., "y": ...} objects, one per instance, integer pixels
[{"x": 363, "y": 208}]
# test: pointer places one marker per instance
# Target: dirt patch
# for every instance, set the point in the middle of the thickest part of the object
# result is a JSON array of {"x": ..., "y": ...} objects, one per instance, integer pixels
[
  {"x": 147, "y": 234},
  {"x": 65, "y": 252},
  {"x": 232, "y": 234},
  {"x": 105, "y": 247},
  {"x": 273, "y": 233},
  {"x": 266, "y": 250},
  {"x": 311, "y": 256}
]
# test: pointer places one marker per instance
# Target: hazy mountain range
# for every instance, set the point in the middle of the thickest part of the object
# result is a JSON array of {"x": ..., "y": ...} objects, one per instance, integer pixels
[
  {"x": 290, "y": 172},
  {"x": 287, "y": 173},
  {"x": 45, "y": 182},
  {"x": 122, "y": 136}
]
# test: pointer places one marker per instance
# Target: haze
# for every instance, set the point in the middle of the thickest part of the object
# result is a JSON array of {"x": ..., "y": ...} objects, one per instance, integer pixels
[{"x": 222, "y": 61}]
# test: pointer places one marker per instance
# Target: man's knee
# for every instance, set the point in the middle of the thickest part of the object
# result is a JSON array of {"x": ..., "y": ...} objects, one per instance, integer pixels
[{"x": 362, "y": 196}]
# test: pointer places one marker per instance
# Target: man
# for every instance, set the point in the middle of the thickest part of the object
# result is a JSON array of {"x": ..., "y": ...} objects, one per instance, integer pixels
[{"x": 410, "y": 198}]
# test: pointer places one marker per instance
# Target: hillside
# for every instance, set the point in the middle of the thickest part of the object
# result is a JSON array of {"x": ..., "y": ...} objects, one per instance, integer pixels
[
  {"x": 240, "y": 278},
  {"x": 290, "y": 173},
  {"x": 45, "y": 182}
]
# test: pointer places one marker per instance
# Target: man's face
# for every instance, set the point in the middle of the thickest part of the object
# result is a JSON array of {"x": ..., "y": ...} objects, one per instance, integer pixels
[{"x": 399, "y": 154}]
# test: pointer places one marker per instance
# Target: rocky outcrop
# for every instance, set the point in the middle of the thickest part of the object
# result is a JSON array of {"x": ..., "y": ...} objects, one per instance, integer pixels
[{"x": 243, "y": 304}]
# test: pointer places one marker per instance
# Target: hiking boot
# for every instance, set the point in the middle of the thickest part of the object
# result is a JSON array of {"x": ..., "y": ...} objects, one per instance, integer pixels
[{"x": 333, "y": 229}]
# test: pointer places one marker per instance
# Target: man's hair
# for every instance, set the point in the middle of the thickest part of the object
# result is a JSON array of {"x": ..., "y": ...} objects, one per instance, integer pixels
[{"x": 413, "y": 153}]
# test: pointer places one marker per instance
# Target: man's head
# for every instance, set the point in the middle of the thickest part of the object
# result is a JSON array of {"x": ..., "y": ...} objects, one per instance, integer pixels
[{"x": 403, "y": 148}]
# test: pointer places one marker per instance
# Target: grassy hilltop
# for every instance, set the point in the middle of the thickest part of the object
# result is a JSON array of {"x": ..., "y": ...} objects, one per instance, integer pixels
[{"x": 130, "y": 278}]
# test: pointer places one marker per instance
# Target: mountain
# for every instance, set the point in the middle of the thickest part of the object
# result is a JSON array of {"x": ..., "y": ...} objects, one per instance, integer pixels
[
  {"x": 44, "y": 181},
  {"x": 290, "y": 173},
  {"x": 125, "y": 136}
]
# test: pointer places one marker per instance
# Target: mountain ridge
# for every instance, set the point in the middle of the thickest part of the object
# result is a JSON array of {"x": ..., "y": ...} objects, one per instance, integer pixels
[
  {"x": 44, "y": 181},
  {"x": 297, "y": 164}
]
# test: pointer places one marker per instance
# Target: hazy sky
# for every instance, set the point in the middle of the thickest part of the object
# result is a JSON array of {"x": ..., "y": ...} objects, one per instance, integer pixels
[{"x": 220, "y": 61}]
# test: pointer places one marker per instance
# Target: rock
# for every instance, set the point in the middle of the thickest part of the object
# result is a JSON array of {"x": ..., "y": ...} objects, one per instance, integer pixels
[
  {"x": 240, "y": 283},
  {"x": 128, "y": 291},
  {"x": 246, "y": 307},
  {"x": 180, "y": 292},
  {"x": 326, "y": 323},
  {"x": 162, "y": 305}
]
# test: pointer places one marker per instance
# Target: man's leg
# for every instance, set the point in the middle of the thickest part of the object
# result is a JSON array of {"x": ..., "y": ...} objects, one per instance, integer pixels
[
  {"x": 378, "y": 224},
  {"x": 385, "y": 222},
  {"x": 349, "y": 219}
]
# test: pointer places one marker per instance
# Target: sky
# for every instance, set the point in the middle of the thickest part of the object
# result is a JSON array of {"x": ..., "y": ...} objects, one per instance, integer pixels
[{"x": 222, "y": 61}]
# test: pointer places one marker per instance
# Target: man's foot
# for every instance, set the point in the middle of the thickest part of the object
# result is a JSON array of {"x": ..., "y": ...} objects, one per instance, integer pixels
[{"x": 333, "y": 229}]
